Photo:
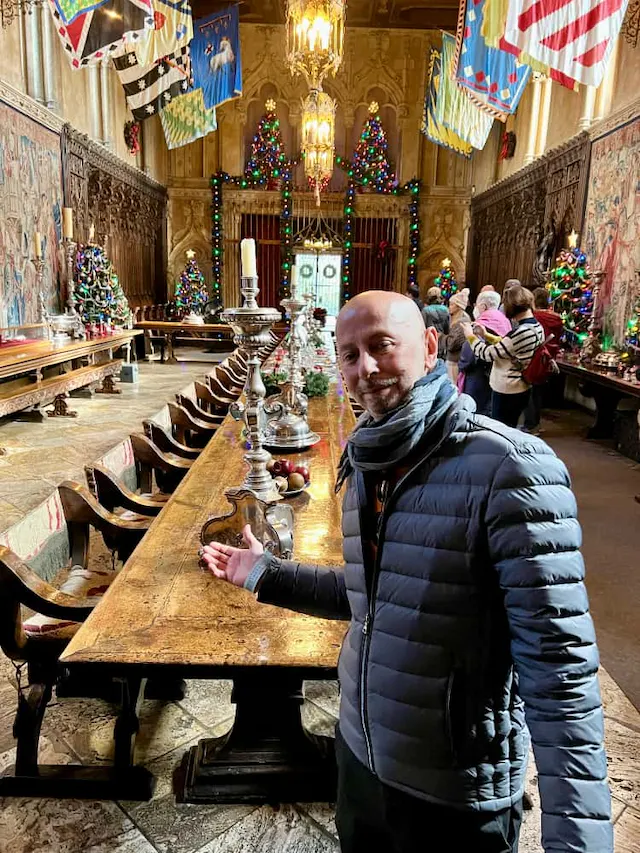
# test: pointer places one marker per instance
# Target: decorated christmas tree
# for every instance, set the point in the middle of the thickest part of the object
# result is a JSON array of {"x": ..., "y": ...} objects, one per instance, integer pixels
[
  {"x": 571, "y": 292},
  {"x": 370, "y": 165},
  {"x": 191, "y": 290},
  {"x": 446, "y": 280},
  {"x": 120, "y": 311},
  {"x": 92, "y": 276},
  {"x": 632, "y": 337},
  {"x": 267, "y": 157}
]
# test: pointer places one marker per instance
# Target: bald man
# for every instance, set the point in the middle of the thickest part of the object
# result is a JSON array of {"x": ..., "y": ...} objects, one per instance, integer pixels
[{"x": 463, "y": 585}]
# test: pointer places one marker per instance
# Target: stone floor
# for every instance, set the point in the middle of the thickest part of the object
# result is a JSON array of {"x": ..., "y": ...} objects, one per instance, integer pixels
[{"x": 81, "y": 730}]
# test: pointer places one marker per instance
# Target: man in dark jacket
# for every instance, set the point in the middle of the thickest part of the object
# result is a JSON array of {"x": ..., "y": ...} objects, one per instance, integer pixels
[{"x": 469, "y": 618}]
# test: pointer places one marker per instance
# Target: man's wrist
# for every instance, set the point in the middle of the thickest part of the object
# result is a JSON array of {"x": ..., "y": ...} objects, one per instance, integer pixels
[{"x": 257, "y": 573}]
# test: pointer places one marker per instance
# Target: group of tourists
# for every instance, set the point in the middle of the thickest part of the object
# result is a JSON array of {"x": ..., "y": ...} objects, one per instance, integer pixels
[{"x": 488, "y": 358}]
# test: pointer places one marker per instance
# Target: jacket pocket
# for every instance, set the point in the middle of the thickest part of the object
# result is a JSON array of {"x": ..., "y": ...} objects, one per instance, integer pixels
[{"x": 460, "y": 724}]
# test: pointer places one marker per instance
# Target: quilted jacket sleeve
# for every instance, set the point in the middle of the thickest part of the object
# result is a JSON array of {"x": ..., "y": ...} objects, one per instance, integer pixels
[
  {"x": 315, "y": 590},
  {"x": 534, "y": 537}
]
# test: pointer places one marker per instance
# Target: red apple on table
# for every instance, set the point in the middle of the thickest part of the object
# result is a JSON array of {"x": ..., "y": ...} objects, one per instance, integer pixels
[
  {"x": 303, "y": 471},
  {"x": 282, "y": 468}
]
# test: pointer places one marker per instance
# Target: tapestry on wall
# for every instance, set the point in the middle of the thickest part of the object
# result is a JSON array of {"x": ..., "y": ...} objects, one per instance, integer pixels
[
  {"x": 30, "y": 201},
  {"x": 613, "y": 223}
]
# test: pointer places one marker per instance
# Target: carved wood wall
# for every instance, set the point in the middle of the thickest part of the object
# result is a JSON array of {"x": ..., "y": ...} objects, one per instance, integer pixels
[
  {"x": 127, "y": 208},
  {"x": 519, "y": 225}
]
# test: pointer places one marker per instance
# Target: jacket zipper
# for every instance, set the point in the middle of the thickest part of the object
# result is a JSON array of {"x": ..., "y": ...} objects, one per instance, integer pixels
[{"x": 368, "y": 620}]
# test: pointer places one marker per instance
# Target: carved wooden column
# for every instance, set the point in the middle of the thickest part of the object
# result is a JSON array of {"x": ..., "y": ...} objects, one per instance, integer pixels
[{"x": 536, "y": 86}]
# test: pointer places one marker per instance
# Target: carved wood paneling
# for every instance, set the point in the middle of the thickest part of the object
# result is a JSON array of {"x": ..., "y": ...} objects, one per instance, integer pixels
[
  {"x": 127, "y": 208},
  {"x": 519, "y": 225}
]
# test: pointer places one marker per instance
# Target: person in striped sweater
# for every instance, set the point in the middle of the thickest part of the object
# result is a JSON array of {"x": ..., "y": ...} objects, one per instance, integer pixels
[{"x": 509, "y": 355}]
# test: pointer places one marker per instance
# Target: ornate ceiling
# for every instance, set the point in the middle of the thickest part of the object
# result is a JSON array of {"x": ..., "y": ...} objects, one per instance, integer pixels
[{"x": 415, "y": 14}]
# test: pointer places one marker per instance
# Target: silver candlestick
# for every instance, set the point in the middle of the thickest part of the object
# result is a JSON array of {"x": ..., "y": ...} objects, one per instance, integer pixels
[
  {"x": 288, "y": 428},
  {"x": 70, "y": 247},
  {"x": 251, "y": 325}
]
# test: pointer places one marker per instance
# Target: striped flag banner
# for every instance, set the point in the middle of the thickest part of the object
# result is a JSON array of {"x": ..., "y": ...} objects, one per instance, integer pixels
[
  {"x": 149, "y": 89},
  {"x": 454, "y": 110},
  {"x": 431, "y": 127},
  {"x": 492, "y": 78},
  {"x": 572, "y": 37}
]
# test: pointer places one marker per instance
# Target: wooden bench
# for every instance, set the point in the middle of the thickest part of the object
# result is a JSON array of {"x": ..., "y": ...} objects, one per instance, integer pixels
[
  {"x": 55, "y": 389},
  {"x": 51, "y": 539}
]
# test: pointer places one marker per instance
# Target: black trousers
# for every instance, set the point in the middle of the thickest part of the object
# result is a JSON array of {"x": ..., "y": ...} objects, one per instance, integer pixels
[
  {"x": 372, "y": 817},
  {"x": 507, "y": 408}
]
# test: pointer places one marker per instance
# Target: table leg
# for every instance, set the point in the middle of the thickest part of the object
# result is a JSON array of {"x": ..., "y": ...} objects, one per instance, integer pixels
[
  {"x": 606, "y": 400},
  {"x": 171, "y": 359},
  {"x": 268, "y": 756}
]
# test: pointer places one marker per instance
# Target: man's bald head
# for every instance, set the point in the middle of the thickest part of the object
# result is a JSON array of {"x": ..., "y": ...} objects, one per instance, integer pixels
[
  {"x": 382, "y": 304},
  {"x": 383, "y": 348}
]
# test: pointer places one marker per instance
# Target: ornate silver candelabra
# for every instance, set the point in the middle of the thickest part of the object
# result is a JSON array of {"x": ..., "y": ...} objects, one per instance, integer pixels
[
  {"x": 251, "y": 325},
  {"x": 70, "y": 247},
  {"x": 287, "y": 427}
]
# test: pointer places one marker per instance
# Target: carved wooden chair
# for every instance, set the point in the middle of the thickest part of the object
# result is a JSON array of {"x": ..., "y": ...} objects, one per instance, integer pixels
[
  {"x": 113, "y": 480},
  {"x": 52, "y": 539},
  {"x": 222, "y": 392},
  {"x": 188, "y": 429},
  {"x": 190, "y": 402},
  {"x": 166, "y": 442},
  {"x": 168, "y": 469}
]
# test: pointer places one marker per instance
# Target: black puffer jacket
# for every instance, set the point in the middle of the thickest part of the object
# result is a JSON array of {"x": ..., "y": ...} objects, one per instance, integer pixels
[{"x": 474, "y": 616}]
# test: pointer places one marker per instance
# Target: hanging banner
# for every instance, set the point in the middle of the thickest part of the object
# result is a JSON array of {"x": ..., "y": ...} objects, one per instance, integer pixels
[
  {"x": 215, "y": 53},
  {"x": 572, "y": 37},
  {"x": 492, "y": 78},
  {"x": 454, "y": 109},
  {"x": 148, "y": 90},
  {"x": 186, "y": 119},
  {"x": 103, "y": 30},
  {"x": 172, "y": 29},
  {"x": 431, "y": 127}
]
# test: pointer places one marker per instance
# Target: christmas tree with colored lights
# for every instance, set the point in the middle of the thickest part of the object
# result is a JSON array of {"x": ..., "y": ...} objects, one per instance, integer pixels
[
  {"x": 632, "y": 336},
  {"x": 120, "y": 311},
  {"x": 93, "y": 293},
  {"x": 571, "y": 292},
  {"x": 446, "y": 280},
  {"x": 191, "y": 291},
  {"x": 267, "y": 158},
  {"x": 370, "y": 165}
]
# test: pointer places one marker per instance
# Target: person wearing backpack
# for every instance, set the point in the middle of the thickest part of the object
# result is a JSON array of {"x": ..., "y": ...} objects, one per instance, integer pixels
[
  {"x": 553, "y": 332},
  {"x": 509, "y": 356}
]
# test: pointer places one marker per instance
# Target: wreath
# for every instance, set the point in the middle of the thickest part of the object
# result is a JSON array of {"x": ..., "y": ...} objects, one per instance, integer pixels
[
  {"x": 306, "y": 271},
  {"x": 329, "y": 272},
  {"x": 132, "y": 136}
]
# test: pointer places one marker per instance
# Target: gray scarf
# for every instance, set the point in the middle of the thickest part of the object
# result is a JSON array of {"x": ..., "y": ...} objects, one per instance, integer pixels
[{"x": 379, "y": 445}]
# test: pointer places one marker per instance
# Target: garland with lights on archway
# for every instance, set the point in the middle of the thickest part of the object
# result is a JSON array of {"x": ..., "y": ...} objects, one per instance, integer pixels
[
  {"x": 268, "y": 166},
  {"x": 371, "y": 170}
]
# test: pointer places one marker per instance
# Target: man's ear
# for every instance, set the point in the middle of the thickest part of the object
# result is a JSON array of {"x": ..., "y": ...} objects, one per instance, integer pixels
[{"x": 430, "y": 348}]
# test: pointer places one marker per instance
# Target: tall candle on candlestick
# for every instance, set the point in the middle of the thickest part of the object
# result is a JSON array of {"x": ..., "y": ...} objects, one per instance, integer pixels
[
  {"x": 92, "y": 232},
  {"x": 248, "y": 257},
  {"x": 37, "y": 244},
  {"x": 294, "y": 279},
  {"x": 67, "y": 223}
]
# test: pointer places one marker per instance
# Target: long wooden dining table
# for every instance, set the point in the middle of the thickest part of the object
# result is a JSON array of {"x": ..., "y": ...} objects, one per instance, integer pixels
[{"x": 166, "y": 616}]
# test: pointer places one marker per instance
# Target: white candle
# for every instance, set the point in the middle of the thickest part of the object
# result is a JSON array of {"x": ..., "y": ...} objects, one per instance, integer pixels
[
  {"x": 67, "y": 223},
  {"x": 92, "y": 232},
  {"x": 37, "y": 244},
  {"x": 294, "y": 279},
  {"x": 248, "y": 257}
]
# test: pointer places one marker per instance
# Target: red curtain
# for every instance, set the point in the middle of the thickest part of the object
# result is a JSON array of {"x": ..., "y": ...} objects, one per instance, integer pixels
[
  {"x": 373, "y": 255},
  {"x": 265, "y": 230}
]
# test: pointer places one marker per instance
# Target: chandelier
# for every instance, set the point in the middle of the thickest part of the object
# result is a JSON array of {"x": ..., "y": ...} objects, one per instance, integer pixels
[
  {"x": 315, "y": 38},
  {"x": 318, "y": 137},
  {"x": 10, "y": 9}
]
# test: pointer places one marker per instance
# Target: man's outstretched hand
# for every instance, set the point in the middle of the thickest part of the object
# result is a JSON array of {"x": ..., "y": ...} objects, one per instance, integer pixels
[{"x": 233, "y": 564}]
